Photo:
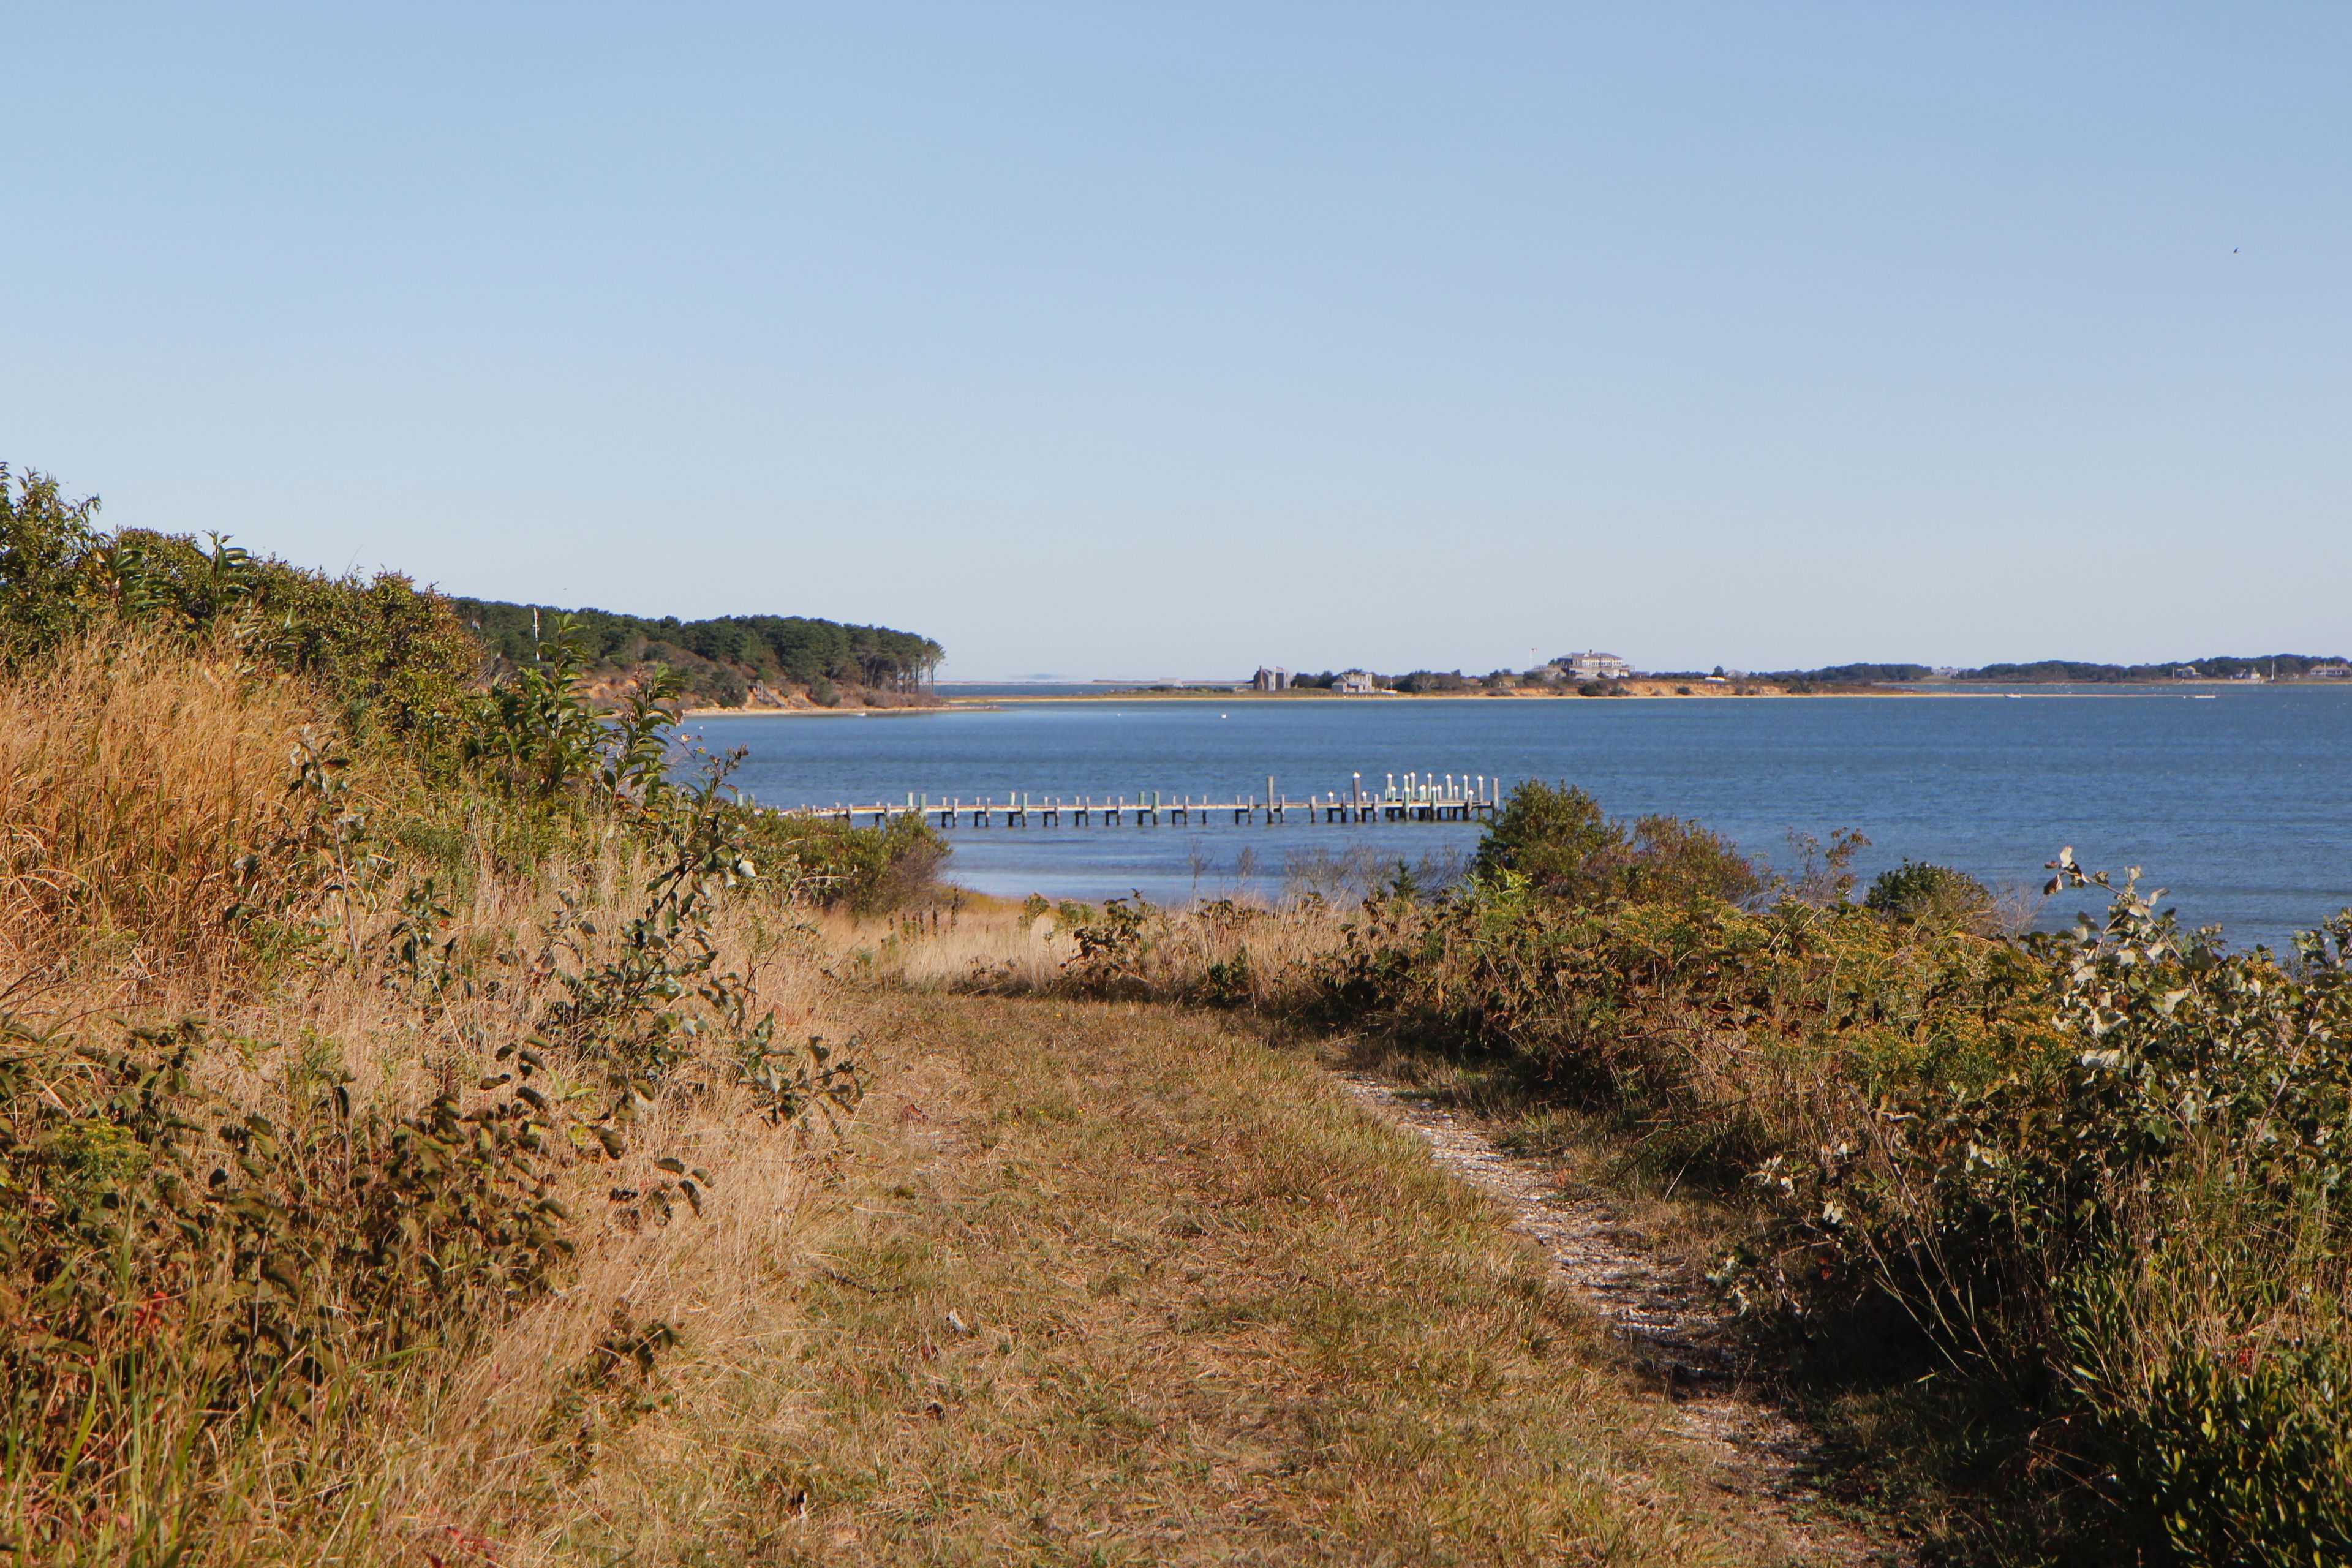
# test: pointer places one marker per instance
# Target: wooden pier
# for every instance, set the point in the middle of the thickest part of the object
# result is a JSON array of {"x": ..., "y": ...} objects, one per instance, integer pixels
[{"x": 1407, "y": 797}]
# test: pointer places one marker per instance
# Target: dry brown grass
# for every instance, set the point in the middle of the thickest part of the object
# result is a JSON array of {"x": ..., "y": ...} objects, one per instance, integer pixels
[
  {"x": 1218, "y": 1314},
  {"x": 142, "y": 793},
  {"x": 1119, "y": 1284},
  {"x": 144, "y": 790},
  {"x": 489, "y": 1436},
  {"x": 1209, "y": 1309},
  {"x": 993, "y": 946}
]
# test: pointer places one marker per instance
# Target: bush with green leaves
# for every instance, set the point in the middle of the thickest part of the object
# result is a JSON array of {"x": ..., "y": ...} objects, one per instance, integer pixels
[
  {"x": 2105, "y": 1173},
  {"x": 393, "y": 660},
  {"x": 1916, "y": 890},
  {"x": 866, "y": 870},
  {"x": 189, "y": 1284},
  {"x": 1556, "y": 840}
]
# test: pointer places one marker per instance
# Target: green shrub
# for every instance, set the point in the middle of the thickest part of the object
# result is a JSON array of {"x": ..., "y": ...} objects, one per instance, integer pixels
[
  {"x": 392, "y": 658},
  {"x": 46, "y": 591},
  {"x": 1554, "y": 837},
  {"x": 1916, "y": 890},
  {"x": 2233, "y": 1428},
  {"x": 1557, "y": 839},
  {"x": 2103, "y": 1173},
  {"x": 866, "y": 870},
  {"x": 206, "y": 1300},
  {"x": 2245, "y": 1460}
]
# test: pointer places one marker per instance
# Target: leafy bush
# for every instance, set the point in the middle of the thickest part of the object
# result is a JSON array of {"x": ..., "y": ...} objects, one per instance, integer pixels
[
  {"x": 866, "y": 870},
  {"x": 224, "y": 1256},
  {"x": 2103, "y": 1172},
  {"x": 389, "y": 657},
  {"x": 1916, "y": 890},
  {"x": 1557, "y": 841},
  {"x": 1109, "y": 960}
]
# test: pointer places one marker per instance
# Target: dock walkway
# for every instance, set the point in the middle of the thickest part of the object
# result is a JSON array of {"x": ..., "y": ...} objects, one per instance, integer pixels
[{"x": 1417, "y": 797}]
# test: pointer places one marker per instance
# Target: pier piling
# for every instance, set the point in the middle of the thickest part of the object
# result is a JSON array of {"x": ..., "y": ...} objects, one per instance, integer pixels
[{"x": 1420, "y": 798}]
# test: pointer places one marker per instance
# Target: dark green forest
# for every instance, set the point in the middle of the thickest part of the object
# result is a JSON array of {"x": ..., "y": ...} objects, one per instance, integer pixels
[{"x": 726, "y": 660}]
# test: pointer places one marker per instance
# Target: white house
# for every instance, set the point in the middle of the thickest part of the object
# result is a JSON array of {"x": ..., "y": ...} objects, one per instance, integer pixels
[
  {"x": 1357, "y": 680},
  {"x": 1592, "y": 665}
]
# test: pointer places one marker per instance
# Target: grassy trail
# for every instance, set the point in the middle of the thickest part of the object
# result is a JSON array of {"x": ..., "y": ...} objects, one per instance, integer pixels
[{"x": 1120, "y": 1285}]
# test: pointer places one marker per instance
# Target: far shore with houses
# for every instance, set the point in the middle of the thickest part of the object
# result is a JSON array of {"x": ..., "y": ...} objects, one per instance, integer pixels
[{"x": 1594, "y": 673}]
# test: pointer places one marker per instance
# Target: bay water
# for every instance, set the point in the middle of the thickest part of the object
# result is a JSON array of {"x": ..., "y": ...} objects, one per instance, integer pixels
[{"x": 2238, "y": 801}]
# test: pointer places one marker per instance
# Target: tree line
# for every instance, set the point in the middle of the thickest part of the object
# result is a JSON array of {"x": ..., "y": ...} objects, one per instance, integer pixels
[
  {"x": 720, "y": 660},
  {"x": 2213, "y": 667}
]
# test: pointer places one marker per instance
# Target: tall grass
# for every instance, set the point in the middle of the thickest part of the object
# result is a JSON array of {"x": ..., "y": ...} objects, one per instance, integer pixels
[
  {"x": 358, "y": 1176},
  {"x": 155, "y": 805},
  {"x": 2092, "y": 1184}
]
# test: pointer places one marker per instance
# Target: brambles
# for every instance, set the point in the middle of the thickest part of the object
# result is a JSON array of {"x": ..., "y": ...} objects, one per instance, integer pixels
[
  {"x": 1110, "y": 953},
  {"x": 439, "y": 1000},
  {"x": 611, "y": 1388},
  {"x": 2103, "y": 1173},
  {"x": 785, "y": 1082},
  {"x": 865, "y": 870},
  {"x": 181, "y": 1271}
]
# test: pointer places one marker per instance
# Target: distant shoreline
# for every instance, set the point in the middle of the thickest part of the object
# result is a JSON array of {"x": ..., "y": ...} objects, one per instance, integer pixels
[{"x": 1635, "y": 691}]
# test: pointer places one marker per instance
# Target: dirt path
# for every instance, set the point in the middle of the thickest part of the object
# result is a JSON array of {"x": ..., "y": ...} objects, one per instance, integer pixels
[
  {"x": 1121, "y": 1286},
  {"x": 1677, "y": 1327}
]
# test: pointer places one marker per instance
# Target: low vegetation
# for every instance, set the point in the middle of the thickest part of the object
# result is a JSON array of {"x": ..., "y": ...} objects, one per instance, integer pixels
[
  {"x": 391, "y": 1064},
  {"x": 431, "y": 1133},
  {"x": 2099, "y": 1173},
  {"x": 1131, "y": 1287},
  {"x": 2053, "y": 1223}
]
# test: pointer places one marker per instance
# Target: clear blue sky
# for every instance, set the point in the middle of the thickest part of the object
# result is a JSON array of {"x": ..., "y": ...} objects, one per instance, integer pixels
[{"x": 1126, "y": 339}]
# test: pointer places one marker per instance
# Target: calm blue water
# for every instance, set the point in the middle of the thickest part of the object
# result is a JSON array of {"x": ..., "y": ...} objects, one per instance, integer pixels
[{"x": 2240, "y": 804}]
